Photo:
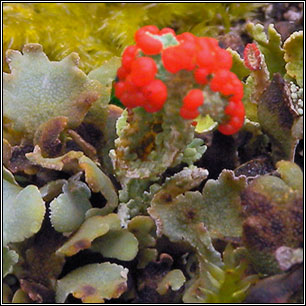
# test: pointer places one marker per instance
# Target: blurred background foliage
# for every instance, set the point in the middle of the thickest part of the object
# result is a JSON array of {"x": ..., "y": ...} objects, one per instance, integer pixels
[{"x": 98, "y": 31}]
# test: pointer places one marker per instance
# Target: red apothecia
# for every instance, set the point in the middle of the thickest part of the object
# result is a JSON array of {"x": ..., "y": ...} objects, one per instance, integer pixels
[{"x": 210, "y": 65}]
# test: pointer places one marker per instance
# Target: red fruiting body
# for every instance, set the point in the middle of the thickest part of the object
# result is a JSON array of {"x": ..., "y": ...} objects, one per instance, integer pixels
[
  {"x": 188, "y": 43},
  {"x": 149, "y": 28},
  {"x": 200, "y": 75},
  {"x": 205, "y": 58},
  {"x": 186, "y": 36},
  {"x": 167, "y": 31},
  {"x": 193, "y": 99},
  {"x": 122, "y": 73},
  {"x": 155, "y": 92},
  {"x": 238, "y": 95},
  {"x": 232, "y": 126},
  {"x": 143, "y": 71},
  {"x": 220, "y": 78},
  {"x": 209, "y": 64},
  {"x": 212, "y": 42},
  {"x": 128, "y": 100},
  {"x": 119, "y": 89},
  {"x": 211, "y": 56},
  {"x": 130, "y": 97},
  {"x": 227, "y": 129},
  {"x": 152, "y": 108},
  {"x": 191, "y": 102},
  {"x": 236, "y": 122},
  {"x": 235, "y": 108},
  {"x": 128, "y": 56},
  {"x": 227, "y": 83},
  {"x": 178, "y": 57},
  {"x": 140, "y": 99},
  {"x": 129, "y": 85},
  {"x": 148, "y": 44},
  {"x": 209, "y": 42},
  {"x": 133, "y": 99},
  {"x": 252, "y": 58},
  {"x": 189, "y": 114},
  {"x": 223, "y": 59},
  {"x": 189, "y": 47},
  {"x": 182, "y": 56},
  {"x": 170, "y": 59}
]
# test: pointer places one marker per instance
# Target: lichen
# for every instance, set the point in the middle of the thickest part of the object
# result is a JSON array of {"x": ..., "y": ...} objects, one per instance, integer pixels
[
  {"x": 93, "y": 283},
  {"x": 273, "y": 206},
  {"x": 161, "y": 201},
  {"x": 23, "y": 211},
  {"x": 40, "y": 89}
]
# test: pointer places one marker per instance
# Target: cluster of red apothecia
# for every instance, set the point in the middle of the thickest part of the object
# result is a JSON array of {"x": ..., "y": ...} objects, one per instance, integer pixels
[
  {"x": 210, "y": 64},
  {"x": 251, "y": 56}
]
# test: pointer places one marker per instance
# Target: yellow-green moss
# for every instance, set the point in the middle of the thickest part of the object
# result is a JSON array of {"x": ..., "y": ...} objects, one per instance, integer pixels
[{"x": 97, "y": 31}]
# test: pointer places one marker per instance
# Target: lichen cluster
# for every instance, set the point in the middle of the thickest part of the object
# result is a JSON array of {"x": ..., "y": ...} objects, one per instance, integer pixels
[{"x": 103, "y": 203}]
